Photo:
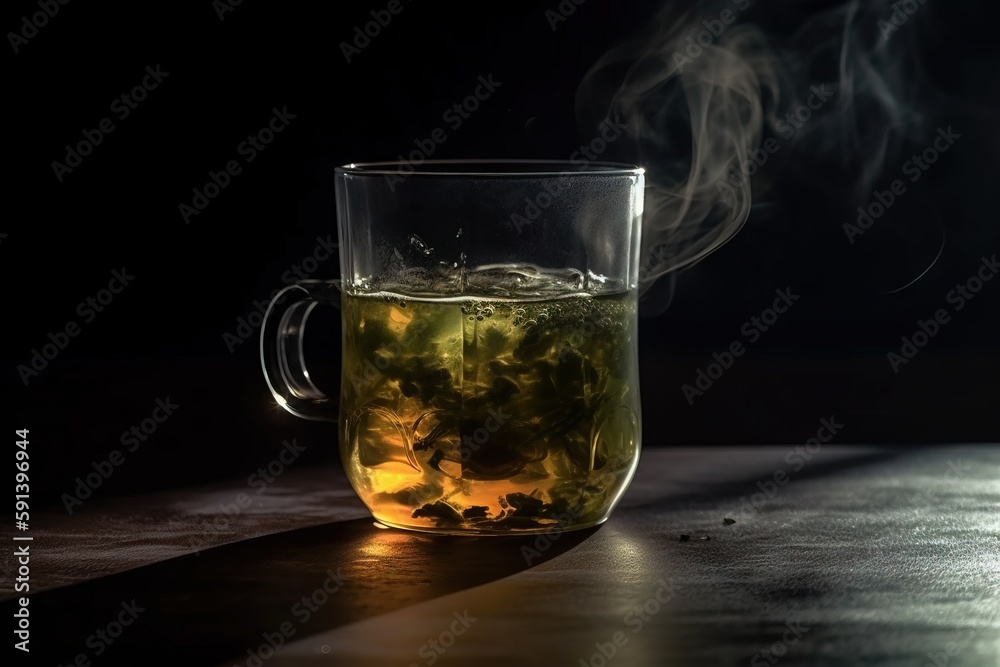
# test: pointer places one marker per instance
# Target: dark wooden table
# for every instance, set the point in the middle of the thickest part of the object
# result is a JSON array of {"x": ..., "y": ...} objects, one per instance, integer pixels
[{"x": 863, "y": 555}]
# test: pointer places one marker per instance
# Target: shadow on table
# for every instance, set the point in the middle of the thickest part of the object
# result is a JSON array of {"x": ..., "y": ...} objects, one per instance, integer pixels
[{"x": 214, "y": 606}]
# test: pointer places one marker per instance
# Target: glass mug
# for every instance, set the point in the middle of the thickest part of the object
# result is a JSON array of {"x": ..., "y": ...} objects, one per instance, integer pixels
[{"x": 490, "y": 373}]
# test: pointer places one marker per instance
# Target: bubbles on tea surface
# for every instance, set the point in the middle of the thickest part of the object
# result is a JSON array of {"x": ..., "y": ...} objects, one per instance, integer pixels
[
  {"x": 478, "y": 310},
  {"x": 520, "y": 280},
  {"x": 496, "y": 281}
]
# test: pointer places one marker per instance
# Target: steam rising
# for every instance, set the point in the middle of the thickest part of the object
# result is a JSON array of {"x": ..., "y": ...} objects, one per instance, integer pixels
[{"x": 699, "y": 94}]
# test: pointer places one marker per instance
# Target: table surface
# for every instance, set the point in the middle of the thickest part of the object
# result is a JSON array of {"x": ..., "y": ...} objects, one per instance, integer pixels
[{"x": 864, "y": 555}]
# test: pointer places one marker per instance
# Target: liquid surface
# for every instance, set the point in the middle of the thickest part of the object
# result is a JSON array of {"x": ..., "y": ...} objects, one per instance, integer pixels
[{"x": 517, "y": 409}]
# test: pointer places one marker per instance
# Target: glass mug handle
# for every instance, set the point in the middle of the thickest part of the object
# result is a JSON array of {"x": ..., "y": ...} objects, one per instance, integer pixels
[{"x": 281, "y": 353}]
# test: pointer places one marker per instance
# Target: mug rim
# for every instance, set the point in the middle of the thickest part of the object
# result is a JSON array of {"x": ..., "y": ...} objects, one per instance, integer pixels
[{"x": 482, "y": 168}]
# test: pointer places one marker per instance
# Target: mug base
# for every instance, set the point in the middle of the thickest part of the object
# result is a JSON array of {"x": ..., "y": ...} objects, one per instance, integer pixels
[{"x": 509, "y": 532}]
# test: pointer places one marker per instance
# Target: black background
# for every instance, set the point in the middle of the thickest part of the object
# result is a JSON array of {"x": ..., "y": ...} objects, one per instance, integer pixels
[{"x": 163, "y": 336}]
